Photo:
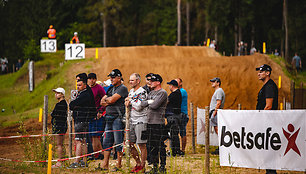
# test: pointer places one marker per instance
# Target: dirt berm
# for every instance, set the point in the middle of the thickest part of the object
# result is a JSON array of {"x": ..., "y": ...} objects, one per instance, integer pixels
[{"x": 195, "y": 65}]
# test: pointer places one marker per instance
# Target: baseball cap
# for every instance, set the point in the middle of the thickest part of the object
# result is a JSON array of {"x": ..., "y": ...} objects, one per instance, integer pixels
[
  {"x": 149, "y": 75},
  {"x": 173, "y": 82},
  {"x": 215, "y": 79},
  {"x": 115, "y": 73},
  {"x": 264, "y": 67},
  {"x": 156, "y": 77},
  {"x": 61, "y": 90},
  {"x": 92, "y": 76}
]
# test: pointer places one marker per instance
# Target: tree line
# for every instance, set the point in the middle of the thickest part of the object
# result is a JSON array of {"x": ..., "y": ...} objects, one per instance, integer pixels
[{"x": 112, "y": 23}]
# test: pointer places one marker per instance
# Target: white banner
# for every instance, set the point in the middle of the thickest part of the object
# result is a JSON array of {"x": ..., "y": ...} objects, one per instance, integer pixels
[
  {"x": 213, "y": 137},
  {"x": 74, "y": 51},
  {"x": 263, "y": 139}
]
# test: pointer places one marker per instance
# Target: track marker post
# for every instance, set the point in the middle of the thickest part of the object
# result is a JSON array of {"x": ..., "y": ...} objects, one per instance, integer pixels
[
  {"x": 97, "y": 53},
  {"x": 49, "y": 159},
  {"x": 40, "y": 115},
  {"x": 207, "y": 126}
]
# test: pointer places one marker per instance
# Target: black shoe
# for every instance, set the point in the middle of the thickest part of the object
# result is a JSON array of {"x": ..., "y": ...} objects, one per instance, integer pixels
[
  {"x": 181, "y": 153},
  {"x": 216, "y": 152}
]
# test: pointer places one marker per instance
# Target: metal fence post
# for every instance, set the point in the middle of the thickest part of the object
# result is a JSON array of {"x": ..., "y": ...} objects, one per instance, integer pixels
[
  {"x": 207, "y": 126},
  {"x": 192, "y": 128}
]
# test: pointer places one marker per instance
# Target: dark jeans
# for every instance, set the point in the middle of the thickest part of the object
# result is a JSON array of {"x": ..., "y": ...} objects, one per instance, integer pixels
[
  {"x": 173, "y": 127},
  {"x": 155, "y": 143}
]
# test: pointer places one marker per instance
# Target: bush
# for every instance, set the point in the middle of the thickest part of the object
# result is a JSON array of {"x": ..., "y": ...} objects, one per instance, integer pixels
[{"x": 32, "y": 51}]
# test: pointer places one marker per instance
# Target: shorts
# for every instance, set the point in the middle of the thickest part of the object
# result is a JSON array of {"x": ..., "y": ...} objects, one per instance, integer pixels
[
  {"x": 80, "y": 127},
  {"x": 183, "y": 124},
  {"x": 114, "y": 133},
  {"x": 138, "y": 133},
  {"x": 59, "y": 129},
  {"x": 96, "y": 125},
  {"x": 213, "y": 120}
]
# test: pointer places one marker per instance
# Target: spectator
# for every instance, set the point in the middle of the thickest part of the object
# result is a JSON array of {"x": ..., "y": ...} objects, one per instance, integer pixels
[
  {"x": 184, "y": 115},
  {"x": 59, "y": 122},
  {"x": 212, "y": 44},
  {"x": 173, "y": 115},
  {"x": 18, "y": 65},
  {"x": 51, "y": 32},
  {"x": 156, "y": 103},
  {"x": 297, "y": 62},
  {"x": 4, "y": 68},
  {"x": 98, "y": 123},
  {"x": 245, "y": 47},
  {"x": 84, "y": 110},
  {"x": 115, "y": 110},
  {"x": 268, "y": 95},
  {"x": 276, "y": 53},
  {"x": 252, "y": 50},
  {"x": 147, "y": 86},
  {"x": 75, "y": 38},
  {"x": 138, "y": 120},
  {"x": 217, "y": 102}
]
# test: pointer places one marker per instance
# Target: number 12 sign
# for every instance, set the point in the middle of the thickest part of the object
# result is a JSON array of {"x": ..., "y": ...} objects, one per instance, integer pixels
[{"x": 74, "y": 51}]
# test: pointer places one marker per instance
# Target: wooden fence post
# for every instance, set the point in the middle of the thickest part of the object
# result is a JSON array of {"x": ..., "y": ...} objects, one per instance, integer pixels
[
  {"x": 192, "y": 128},
  {"x": 127, "y": 142},
  {"x": 69, "y": 119},
  {"x": 207, "y": 126},
  {"x": 45, "y": 125},
  {"x": 239, "y": 106}
]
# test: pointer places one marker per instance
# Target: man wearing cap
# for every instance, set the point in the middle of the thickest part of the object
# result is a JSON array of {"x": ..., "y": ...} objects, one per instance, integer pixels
[
  {"x": 184, "y": 113},
  {"x": 59, "y": 122},
  {"x": 147, "y": 86},
  {"x": 84, "y": 110},
  {"x": 173, "y": 115},
  {"x": 115, "y": 110},
  {"x": 267, "y": 98},
  {"x": 217, "y": 102},
  {"x": 97, "y": 123},
  {"x": 156, "y": 103},
  {"x": 138, "y": 120}
]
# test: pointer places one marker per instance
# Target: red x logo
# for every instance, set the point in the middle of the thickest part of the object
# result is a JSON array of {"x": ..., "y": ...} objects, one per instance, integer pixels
[{"x": 291, "y": 139}]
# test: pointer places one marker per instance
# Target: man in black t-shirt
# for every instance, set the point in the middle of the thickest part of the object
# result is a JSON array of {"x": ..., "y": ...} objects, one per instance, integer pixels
[
  {"x": 268, "y": 95},
  {"x": 173, "y": 115},
  {"x": 115, "y": 110}
]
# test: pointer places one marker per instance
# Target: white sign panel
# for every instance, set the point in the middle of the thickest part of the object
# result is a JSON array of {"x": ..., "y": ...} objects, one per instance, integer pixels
[
  {"x": 263, "y": 139},
  {"x": 74, "y": 51},
  {"x": 213, "y": 137},
  {"x": 48, "y": 45}
]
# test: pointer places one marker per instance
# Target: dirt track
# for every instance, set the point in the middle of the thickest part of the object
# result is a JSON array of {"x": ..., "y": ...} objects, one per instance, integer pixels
[{"x": 195, "y": 65}]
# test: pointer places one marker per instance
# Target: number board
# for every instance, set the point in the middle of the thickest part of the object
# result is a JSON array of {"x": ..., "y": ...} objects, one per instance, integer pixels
[
  {"x": 74, "y": 51},
  {"x": 48, "y": 45}
]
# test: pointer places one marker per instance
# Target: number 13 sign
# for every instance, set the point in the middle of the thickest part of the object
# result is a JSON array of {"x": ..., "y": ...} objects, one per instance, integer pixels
[{"x": 74, "y": 51}]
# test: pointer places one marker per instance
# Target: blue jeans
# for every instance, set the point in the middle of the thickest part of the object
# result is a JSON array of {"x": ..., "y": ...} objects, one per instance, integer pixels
[{"x": 115, "y": 136}]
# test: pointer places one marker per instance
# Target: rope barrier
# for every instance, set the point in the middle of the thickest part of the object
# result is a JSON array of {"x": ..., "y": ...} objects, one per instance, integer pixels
[
  {"x": 64, "y": 159},
  {"x": 42, "y": 135}
]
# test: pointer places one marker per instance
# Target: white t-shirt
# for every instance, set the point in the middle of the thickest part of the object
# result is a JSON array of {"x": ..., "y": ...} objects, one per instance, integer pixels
[{"x": 138, "y": 113}]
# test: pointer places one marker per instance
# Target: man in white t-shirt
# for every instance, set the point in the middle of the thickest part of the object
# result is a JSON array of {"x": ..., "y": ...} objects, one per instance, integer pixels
[
  {"x": 138, "y": 120},
  {"x": 217, "y": 102}
]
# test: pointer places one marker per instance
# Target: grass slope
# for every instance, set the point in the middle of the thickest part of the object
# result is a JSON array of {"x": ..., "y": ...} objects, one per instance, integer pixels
[{"x": 18, "y": 102}]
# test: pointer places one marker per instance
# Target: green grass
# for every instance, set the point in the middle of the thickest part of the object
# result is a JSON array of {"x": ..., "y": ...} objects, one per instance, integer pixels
[
  {"x": 18, "y": 102},
  {"x": 287, "y": 69}
]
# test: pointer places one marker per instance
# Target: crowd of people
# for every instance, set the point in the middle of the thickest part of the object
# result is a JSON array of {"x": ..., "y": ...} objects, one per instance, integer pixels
[{"x": 100, "y": 111}]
